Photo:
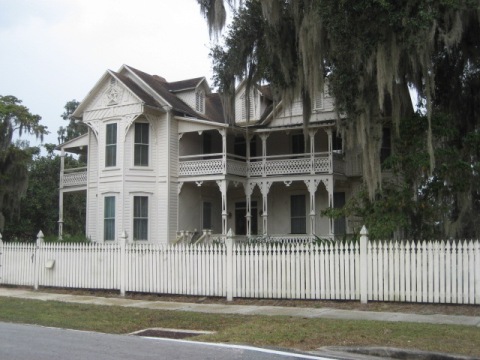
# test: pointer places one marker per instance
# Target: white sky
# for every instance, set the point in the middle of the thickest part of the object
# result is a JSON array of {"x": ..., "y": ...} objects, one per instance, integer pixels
[{"x": 53, "y": 51}]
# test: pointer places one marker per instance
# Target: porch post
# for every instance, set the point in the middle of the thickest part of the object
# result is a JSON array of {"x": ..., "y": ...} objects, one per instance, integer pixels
[
  {"x": 312, "y": 150},
  {"x": 329, "y": 183},
  {"x": 312, "y": 185},
  {"x": 330, "y": 151},
  {"x": 264, "y": 137},
  {"x": 248, "y": 194},
  {"x": 223, "y": 185},
  {"x": 60, "y": 197},
  {"x": 223, "y": 132},
  {"x": 265, "y": 187},
  {"x": 248, "y": 138}
]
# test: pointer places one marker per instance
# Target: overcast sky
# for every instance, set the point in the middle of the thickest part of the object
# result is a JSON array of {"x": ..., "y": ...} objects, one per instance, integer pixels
[{"x": 53, "y": 51}]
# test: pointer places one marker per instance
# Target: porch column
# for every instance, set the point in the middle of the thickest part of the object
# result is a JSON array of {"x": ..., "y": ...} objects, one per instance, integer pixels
[
  {"x": 248, "y": 138},
  {"x": 248, "y": 194},
  {"x": 330, "y": 151},
  {"x": 329, "y": 185},
  {"x": 60, "y": 196},
  {"x": 312, "y": 185},
  {"x": 312, "y": 150},
  {"x": 265, "y": 188},
  {"x": 223, "y": 132},
  {"x": 264, "y": 137},
  {"x": 223, "y": 185}
]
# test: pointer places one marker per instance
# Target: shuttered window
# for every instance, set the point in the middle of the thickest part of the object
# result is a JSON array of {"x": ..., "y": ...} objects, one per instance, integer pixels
[
  {"x": 247, "y": 108},
  {"x": 318, "y": 101},
  {"x": 200, "y": 101}
]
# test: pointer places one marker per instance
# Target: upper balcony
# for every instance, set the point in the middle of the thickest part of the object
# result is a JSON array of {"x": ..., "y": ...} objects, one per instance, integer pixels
[
  {"x": 258, "y": 166},
  {"x": 73, "y": 179},
  {"x": 284, "y": 154}
]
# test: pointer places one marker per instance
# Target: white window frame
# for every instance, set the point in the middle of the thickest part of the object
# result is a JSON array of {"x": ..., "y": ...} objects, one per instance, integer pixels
[
  {"x": 113, "y": 145},
  {"x": 149, "y": 196},
  {"x": 105, "y": 197},
  {"x": 142, "y": 144},
  {"x": 292, "y": 217}
]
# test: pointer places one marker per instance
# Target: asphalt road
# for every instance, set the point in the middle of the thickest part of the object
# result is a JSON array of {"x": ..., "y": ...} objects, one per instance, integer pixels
[{"x": 25, "y": 342}]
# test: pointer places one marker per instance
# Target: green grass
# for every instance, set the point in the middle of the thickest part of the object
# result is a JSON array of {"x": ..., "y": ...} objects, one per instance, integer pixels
[{"x": 287, "y": 332}]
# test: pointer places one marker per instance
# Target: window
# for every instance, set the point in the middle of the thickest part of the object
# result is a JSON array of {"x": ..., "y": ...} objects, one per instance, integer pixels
[
  {"x": 241, "y": 220},
  {"x": 109, "y": 218},
  {"x": 141, "y": 144},
  {"x": 298, "y": 214},
  {"x": 111, "y": 145},
  {"x": 386, "y": 149},
  {"x": 207, "y": 215},
  {"x": 318, "y": 101},
  {"x": 298, "y": 144},
  {"x": 337, "y": 146},
  {"x": 250, "y": 106},
  {"x": 200, "y": 101},
  {"x": 140, "y": 218}
]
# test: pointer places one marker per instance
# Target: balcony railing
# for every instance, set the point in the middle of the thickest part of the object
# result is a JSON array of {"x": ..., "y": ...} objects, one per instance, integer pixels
[
  {"x": 214, "y": 164},
  {"x": 74, "y": 177}
]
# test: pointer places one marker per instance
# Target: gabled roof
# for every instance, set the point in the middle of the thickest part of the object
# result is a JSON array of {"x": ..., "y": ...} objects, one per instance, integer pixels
[
  {"x": 137, "y": 90},
  {"x": 161, "y": 87},
  {"x": 182, "y": 85}
]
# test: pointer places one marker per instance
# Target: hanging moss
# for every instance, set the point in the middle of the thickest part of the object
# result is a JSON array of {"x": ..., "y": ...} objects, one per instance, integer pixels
[{"x": 372, "y": 51}]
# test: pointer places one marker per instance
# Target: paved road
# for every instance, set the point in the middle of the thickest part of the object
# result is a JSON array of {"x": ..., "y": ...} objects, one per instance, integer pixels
[{"x": 30, "y": 342}]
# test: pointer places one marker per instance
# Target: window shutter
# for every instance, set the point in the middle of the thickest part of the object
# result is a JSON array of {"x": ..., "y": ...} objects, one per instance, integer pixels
[
  {"x": 318, "y": 101},
  {"x": 200, "y": 101}
]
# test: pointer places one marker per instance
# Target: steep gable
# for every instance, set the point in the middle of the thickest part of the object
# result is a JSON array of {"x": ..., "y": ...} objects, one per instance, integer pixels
[{"x": 110, "y": 91}]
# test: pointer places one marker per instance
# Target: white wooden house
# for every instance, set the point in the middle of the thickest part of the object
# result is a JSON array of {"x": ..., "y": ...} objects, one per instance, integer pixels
[{"x": 162, "y": 161}]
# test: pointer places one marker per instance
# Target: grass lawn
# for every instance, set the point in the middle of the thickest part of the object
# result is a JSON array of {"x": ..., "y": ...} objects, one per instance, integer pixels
[{"x": 286, "y": 332}]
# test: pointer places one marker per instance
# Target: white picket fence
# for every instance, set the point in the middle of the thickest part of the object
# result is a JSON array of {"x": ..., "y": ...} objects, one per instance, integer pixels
[{"x": 426, "y": 272}]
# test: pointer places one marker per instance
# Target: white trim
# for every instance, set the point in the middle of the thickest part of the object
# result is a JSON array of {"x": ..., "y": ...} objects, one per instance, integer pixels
[{"x": 149, "y": 196}]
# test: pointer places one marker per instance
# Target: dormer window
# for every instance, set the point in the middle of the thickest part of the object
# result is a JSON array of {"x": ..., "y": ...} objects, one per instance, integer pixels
[
  {"x": 318, "y": 101},
  {"x": 250, "y": 106},
  {"x": 200, "y": 101}
]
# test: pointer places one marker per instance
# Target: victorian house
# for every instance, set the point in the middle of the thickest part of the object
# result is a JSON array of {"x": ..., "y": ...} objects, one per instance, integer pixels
[{"x": 164, "y": 165}]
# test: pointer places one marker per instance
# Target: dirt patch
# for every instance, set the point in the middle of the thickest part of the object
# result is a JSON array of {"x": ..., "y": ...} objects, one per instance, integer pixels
[{"x": 413, "y": 308}]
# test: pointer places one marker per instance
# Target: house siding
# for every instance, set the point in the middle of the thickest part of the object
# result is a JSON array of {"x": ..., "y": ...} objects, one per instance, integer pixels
[{"x": 172, "y": 137}]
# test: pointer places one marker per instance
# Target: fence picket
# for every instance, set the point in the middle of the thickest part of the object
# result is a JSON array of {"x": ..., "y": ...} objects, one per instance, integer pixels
[{"x": 439, "y": 272}]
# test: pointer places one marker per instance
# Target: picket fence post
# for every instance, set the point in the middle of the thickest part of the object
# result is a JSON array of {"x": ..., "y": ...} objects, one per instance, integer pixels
[
  {"x": 1, "y": 259},
  {"x": 363, "y": 265},
  {"x": 123, "y": 262},
  {"x": 36, "y": 261},
  {"x": 229, "y": 249}
]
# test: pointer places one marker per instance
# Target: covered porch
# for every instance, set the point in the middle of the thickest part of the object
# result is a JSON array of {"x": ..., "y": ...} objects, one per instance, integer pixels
[{"x": 286, "y": 209}]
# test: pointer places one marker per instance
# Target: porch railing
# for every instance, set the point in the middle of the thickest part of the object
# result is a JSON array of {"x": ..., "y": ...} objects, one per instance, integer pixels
[
  {"x": 74, "y": 177},
  {"x": 289, "y": 164},
  {"x": 266, "y": 239}
]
